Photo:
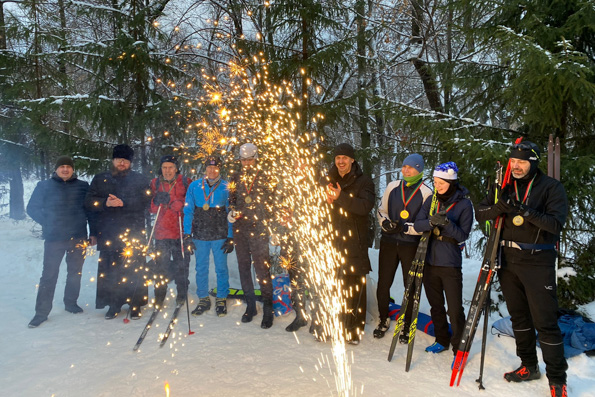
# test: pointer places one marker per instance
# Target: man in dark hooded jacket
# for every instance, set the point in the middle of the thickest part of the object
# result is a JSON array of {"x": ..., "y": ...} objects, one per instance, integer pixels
[
  {"x": 120, "y": 198},
  {"x": 534, "y": 207},
  {"x": 352, "y": 197},
  {"x": 57, "y": 204}
]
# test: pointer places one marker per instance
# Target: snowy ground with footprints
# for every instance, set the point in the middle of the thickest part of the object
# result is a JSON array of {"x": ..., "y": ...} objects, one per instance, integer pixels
[{"x": 86, "y": 355}]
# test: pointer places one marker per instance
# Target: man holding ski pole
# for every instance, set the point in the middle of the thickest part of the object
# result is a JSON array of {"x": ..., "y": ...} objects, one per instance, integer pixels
[{"x": 535, "y": 208}]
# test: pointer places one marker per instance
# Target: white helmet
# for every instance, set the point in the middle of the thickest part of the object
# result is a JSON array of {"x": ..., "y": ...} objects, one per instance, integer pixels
[{"x": 248, "y": 151}]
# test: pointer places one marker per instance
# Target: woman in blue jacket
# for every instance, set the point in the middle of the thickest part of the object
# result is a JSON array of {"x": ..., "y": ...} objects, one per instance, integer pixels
[{"x": 450, "y": 222}]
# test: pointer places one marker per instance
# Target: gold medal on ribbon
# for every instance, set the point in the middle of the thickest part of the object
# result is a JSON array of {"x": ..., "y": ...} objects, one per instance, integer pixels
[
  {"x": 248, "y": 199},
  {"x": 404, "y": 214},
  {"x": 518, "y": 220},
  {"x": 436, "y": 231},
  {"x": 206, "y": 207}
]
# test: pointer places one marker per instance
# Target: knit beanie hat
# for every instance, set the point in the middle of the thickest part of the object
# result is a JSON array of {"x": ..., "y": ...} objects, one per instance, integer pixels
[
  {"x": 168, "y": 158},
  {"x": 64, "y": 160},
  {"x": 344, "y": 149},
  {"x": 416, "y": 161},
  {"x": 123, "y": 151},
  {"x": 213, "y": 160},
  {"x": 447, "y": 171}
]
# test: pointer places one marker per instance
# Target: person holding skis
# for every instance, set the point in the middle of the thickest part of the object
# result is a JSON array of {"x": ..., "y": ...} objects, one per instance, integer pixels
[
  {"x": 399, "y": 207},
  {"x": 207, "y": 230},
  {"x": 120, "y": 198},
  {"x": 351, "y": 195},
  {"x": 534, "y": 207},
  {"x": 57, "y": 204},
  {"x": 250, "y": 200},
  {"x": 169, "y": 195},
  {"x": 450, "y": 222}
]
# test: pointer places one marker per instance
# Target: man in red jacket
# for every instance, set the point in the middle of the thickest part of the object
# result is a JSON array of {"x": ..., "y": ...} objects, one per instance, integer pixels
[{"x": 169, "y": 195}]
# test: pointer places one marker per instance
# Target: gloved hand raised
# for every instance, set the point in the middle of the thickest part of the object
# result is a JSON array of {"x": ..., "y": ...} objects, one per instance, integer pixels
[
  {"x": 189, "y": 244},
  {"x": 227, "y": 246},
  {"x": 391, "y": 227},
  {"x": 161, "y": 198},
  {"x": 233, "y": 216},
  {"x": 439, "y": 219}
]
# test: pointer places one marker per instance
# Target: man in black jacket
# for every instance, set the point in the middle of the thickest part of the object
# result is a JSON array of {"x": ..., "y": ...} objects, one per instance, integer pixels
[
  {"x": 120, "y": 198},
  {"x": 534, "y": 207},
  {"x": 57, "y": 204},
  {"x": 351, "y": 195}
]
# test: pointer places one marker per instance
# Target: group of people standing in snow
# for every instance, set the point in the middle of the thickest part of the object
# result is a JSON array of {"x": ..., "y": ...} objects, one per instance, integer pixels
[{"x": 214, "y": 215}]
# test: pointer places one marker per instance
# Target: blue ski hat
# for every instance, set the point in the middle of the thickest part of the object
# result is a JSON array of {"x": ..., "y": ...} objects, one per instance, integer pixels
[
  {"x": 447, "y": 171},
  {"x": 416, "y": 161}
]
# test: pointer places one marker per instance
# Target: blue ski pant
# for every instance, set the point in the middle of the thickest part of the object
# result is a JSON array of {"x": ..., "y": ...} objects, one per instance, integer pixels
[{"x": 203, "y": 253}]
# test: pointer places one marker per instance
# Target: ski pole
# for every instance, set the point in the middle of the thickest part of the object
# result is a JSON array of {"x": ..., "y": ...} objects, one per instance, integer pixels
[
  {"x": 186, "y": 271},
  {"x": 126, "y": 320},
  {"x": 486, "y": 314}
]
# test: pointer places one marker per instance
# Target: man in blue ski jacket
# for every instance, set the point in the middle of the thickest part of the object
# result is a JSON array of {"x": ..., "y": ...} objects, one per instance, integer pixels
[{"x": 206, "y": 230}]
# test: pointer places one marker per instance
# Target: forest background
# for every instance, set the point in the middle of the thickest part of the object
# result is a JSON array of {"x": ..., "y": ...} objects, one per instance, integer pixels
[{"x": 454, "y": 80}]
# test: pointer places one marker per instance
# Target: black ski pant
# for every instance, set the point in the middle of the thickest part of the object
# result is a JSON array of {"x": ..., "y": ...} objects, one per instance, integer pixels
[
  {"x": 441, "y": 281},
  {"x": 353, "y": 317},
  {"x": 170, "y": 263},
  {"x": 531, "y": 297},
  {"x": 391, "y": 253},
  {"x": 121, "y": 280},
  {"x": 52, "y": 258},
  {"x": 252, "y": 247}
]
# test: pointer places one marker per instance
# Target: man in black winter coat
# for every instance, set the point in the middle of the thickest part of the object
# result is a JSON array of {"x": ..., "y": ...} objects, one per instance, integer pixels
[
  {"x": 120, "y": 198},
  {"x": 534, "y": 207},
  {"x": 57, "y": 204},
  {"x": 352, "y": 197}
]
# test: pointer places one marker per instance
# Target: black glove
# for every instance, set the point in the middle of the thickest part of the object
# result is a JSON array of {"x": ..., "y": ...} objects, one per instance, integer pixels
[
  {"x": 227, "y": 246},
  {"x": 439, "y": 219},
  {"x": 161, "y": 198},
  {"x": 189, "y": 244},
  {"x": 506, "y": 203},
  {"x": 391, "y": 227}
]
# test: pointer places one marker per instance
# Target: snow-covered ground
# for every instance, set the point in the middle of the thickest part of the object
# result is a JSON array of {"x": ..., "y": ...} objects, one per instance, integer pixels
[{"x": 86, "y": 355}]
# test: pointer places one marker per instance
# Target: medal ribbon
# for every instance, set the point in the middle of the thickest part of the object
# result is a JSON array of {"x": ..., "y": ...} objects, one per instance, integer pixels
[
  {"x": 213, "y": 188},
  {"x": 527, "y": 191},
  {"x": 251, "y": 185},
  {"x": 448, "y": 209},
  {"x": 405, "y": 202}
]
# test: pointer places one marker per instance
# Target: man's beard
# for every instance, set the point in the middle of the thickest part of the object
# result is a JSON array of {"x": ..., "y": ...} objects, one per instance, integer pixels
[{"x": 117, "y": 173}]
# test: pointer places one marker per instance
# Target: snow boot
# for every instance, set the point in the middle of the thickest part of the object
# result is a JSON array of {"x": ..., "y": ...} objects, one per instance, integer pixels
[
  {"x": 250, "y": 309},
  {"x": 404, "y": 337},
  {"x": 434, "y": 348},
  {"x": 297, "y": 323},
  {"x": 221, "y": 307},
  {"x": 37, "y": 320},
  {"x": 267, "y": 314},
  {"x": 558, "y": 390},
  {"x": 523, "y": 373},
  {"x": 180, "y": 299},
  {"x": 112, "y": 312},
  {"x": 204, "y": 305},
  {"x": 73, "y": 308},
  {"x": 382, "y": 328},
  {"x": 135, "y": 313}
]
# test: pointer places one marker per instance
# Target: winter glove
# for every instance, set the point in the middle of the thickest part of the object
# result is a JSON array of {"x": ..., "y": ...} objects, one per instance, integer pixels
[
  {"x": 391, "y": 227},
  {"x": 439, "y": 219},
  {"x": 227, "y": 246},
  {"x": 161, "y": 198},
  {"x": 189, "y": 244},
  {"x": 233, "y": 216}
]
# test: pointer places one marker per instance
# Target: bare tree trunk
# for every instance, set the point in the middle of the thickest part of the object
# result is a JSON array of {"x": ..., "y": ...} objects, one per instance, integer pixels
[{"x": 360, "y": 8}]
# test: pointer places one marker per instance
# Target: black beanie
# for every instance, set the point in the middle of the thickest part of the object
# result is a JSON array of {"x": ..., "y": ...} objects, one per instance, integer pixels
[
  {"x": 528, "y": 151},
  {"x": 213, "y": 160},
  {"x": 169, "y": 159},
  {"x": 344, "y": 149},
  {"x": 64, "y": 160},
  {"x": 123, "y": 151}
]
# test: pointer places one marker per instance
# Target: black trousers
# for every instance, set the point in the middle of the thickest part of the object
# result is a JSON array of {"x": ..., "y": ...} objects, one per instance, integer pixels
[
  {"x": 353, "y": 317},
  {"x": 440, "y": 281},
  {"x": 52, "y": 258},
  {"x": 252, "y": 247},
  {"x": 121, "y": 279},
  {"x": 390, "y": 255},
  {"x": 531, "y": 297},
  {"x": 170, "y": 263}
]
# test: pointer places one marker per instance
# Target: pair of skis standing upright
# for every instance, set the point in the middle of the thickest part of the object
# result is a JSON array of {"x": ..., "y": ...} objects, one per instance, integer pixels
[{"x": 480, "y": 303}]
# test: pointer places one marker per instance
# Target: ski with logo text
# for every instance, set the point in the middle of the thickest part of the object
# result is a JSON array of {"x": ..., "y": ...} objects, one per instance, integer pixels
[{"x": 147, "y": 328}]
